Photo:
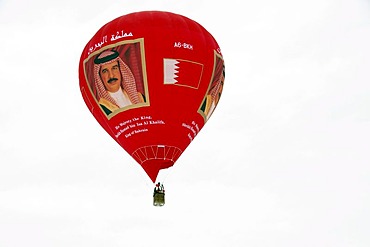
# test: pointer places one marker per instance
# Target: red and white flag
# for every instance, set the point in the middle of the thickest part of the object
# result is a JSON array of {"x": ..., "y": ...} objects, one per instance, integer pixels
[{"x": 182, "y": 72}]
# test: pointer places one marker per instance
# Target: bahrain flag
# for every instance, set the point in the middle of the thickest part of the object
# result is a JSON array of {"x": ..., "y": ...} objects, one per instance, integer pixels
[{"x": 182, "y": 72}]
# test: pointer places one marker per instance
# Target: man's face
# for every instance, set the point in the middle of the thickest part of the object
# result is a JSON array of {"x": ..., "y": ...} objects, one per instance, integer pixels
[{"x": 111, "y": 76}]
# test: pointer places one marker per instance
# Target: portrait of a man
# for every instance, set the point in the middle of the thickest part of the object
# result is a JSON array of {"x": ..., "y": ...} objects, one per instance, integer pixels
[
  {"x": 115, "y": 85},
  {"x": 215, "y": 90}
]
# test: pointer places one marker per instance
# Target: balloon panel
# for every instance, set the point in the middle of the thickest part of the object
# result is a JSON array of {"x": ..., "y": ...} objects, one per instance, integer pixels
[{"x": 152, "y": 79}]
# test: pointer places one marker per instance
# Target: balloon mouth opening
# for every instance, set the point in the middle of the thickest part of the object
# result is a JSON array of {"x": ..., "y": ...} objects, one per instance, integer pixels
[{"x": 156, "y": 157}]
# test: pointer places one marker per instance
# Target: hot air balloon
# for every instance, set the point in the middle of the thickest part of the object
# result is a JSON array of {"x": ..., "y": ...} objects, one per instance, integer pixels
[{"x": 152, "y": 79}]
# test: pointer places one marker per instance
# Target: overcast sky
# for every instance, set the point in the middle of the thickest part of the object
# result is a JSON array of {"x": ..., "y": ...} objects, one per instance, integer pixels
[{"x": 283, "y": 161}]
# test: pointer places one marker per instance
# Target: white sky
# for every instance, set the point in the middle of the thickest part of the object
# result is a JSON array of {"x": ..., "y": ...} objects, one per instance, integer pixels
[{"x": 283, "y": 162}]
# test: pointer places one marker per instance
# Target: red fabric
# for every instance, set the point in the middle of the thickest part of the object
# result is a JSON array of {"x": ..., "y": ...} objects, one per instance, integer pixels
[
  {"x": 189, "y": 74},
  {"x": 157, "y": 132}
]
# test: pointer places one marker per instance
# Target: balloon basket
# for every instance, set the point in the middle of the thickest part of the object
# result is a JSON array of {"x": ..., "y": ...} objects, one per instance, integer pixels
[{"x": 158, "y": 199}]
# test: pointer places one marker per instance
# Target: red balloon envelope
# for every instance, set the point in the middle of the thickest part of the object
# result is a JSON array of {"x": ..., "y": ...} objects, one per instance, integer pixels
[{"x": 152, "y": 79}]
